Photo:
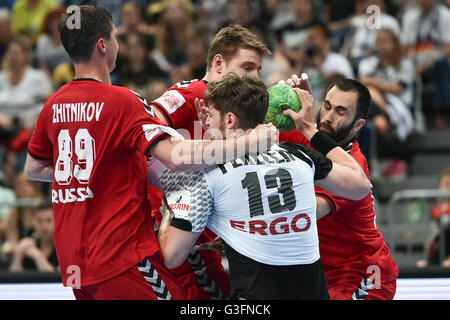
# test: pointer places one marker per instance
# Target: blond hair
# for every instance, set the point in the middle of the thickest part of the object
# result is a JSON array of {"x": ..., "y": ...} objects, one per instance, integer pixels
[{"x": 229, "y": 39}]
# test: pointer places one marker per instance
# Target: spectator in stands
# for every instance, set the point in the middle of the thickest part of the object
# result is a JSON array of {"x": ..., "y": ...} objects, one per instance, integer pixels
[
  {"x": 389, "y": 76},
  {"x": 291, "y": 37},
  {"x": 131, "y": 22},
  {"x": 321, "y": 63},
  {"x": 37, "y": 252},
  {"x": 441, "y": 215},
  {"x": 243, "y": 12},
  {"x": 49, "y": 50},
  {"x": 7, "y": 198},
  {"x": 23, "y": 91},
  {"x": 5, "y": 31},
  {"x": 7, "y": 4},
  {"x": 425, "y": 32},
  {"x": 210, "y": 15},
  {"x": 442, "y": 208},
  {"x": 138, "y": 67},
  {"x": 28, "y": 16},
  {"x": 176, "y": 28},
  {"x": 360, "y": 40},
  {"x": 20, "y": 225},
  {"x": 197, "y": 51},
  {"x": 64, "y": 73},
  {"x": 155, "y": 88}
]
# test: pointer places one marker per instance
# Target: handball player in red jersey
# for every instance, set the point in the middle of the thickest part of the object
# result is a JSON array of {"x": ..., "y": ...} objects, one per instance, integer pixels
[
  {"x": 357, "y": 261},
  {"x": 233, "y": 49},
  {"x": 92, "y": 140}
]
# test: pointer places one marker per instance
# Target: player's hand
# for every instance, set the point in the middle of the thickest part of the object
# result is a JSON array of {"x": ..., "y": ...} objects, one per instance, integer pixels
[
  {"x": 216, "y": 245},
  {"x": 202, "y": 111},
  {"x": 262, "y": 138},
  {"x": 301, "y": 82},
  {"x": 167, "y": 215},
  {"x": 305, "y": 118}
]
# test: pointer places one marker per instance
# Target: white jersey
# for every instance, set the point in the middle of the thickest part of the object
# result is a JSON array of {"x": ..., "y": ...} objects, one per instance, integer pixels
[{"x": 263, "y": 206}]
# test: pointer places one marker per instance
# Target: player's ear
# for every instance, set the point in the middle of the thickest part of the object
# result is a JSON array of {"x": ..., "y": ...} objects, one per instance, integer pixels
[
  {"x": 101, "y": 45},
  {"x": 359, "y": 124},
  {"x": 231, "y": 121},
  {"x": 218, "y": 63}
]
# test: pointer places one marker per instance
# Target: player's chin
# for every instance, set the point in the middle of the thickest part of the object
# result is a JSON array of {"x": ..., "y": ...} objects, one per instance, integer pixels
[
  {"x": 112, "y": 67},
  {"x": 325, "y": 129}
]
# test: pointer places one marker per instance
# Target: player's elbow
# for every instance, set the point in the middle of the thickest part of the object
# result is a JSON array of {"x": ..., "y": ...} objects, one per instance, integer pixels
[
  {"x": 174, "y": 166},
  {"x": 172, "y": 260},
  {"x": 360, "y": 188},
  {"x": 30, "y": 170}
]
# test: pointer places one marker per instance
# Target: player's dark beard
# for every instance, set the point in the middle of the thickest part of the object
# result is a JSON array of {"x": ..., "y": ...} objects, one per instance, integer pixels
[{"x": 339, "y": 134}]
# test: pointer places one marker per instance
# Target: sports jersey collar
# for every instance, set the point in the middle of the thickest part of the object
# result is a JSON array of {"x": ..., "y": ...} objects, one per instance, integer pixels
[
  {"x": 349, "y": 146},
  {"x": 86, "y": 79}
]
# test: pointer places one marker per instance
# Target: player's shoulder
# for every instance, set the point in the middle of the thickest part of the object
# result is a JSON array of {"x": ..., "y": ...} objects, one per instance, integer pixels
[
  {"x": 189, "y": 88},
  {"x": 124, "y": 92},
  {"x": 175, "y": 180},
  {"x": 355, "y": 151},
  {"x": 300, "y": 151},
  {"x": 194, "y": 84}
]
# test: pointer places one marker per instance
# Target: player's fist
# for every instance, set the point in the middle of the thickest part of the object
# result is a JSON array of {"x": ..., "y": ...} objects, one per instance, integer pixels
[
  {"x": 262, "y": 138},
  {"x": 305, "y": 118},
  {"x": 298, "y": 82}
]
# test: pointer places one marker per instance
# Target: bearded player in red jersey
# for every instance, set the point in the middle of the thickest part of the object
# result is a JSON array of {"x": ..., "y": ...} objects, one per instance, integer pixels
[
  {"x": 233, "y": 49},
  {"x": 92, "y": 140},
  {"x": 357, "y": 261}
]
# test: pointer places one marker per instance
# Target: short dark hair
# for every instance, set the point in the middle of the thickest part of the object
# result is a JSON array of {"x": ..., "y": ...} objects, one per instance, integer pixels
[
  {"x": 96, "y": 22},
  {"x": 364, "y": 101},
  {"x": 246, "y": 96}
]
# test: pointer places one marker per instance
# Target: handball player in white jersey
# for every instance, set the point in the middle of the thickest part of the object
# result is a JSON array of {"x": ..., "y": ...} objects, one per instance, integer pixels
[{"x": 263, "y": 205}]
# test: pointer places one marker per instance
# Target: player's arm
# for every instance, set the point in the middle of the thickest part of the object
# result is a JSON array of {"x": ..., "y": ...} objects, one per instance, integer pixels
[
  {"x": 323, "y": 208},
  {"x": 177, "y": 154},
  {"x": 189, "y": 196},
  {"x": 346, "y": 178},
  {"x": 40, "y": 170},
  {"x": 160, "y": 116},
  {"x": 176, "y": 245}
]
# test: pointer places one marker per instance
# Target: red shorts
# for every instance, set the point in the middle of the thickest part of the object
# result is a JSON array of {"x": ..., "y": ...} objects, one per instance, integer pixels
[
  {"x": 148, "y": 280},
  {"x": 364, "y": 289}
]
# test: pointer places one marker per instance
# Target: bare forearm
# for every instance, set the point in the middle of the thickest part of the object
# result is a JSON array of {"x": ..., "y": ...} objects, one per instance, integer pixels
[
  {"x": 197, "y": 154},
  {"x": 39, "y": 170},
  {"x": 323, "y": 208}
]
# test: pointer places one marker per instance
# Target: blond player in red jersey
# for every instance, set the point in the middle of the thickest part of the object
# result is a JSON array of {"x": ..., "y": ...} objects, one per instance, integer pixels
[
  {"x": 92, "y": 140},
  {"x": 233, "y": 49}
]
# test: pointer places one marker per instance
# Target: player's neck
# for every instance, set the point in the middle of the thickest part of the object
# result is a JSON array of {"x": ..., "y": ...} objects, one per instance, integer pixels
[
  {"x": 92, "y": 71},
  {"x": 211, "y": 76}
]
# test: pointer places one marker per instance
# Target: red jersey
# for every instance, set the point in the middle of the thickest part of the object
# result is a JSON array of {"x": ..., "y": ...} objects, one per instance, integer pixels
[
  {"x": 96, "y": 135},
  {"x": 349, "y": 238},
  {"x": 177, "y": 104}
]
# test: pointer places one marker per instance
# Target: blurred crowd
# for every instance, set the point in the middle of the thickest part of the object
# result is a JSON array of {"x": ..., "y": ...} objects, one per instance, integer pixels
[{"x": 399, "y": 49}]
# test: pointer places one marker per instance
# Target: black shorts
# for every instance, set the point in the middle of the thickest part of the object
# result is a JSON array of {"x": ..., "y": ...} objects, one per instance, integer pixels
[{"x": 253, "y": 280}]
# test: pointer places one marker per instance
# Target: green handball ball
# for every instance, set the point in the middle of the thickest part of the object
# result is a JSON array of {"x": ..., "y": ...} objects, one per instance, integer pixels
[{"x": 282, "y": 97}]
